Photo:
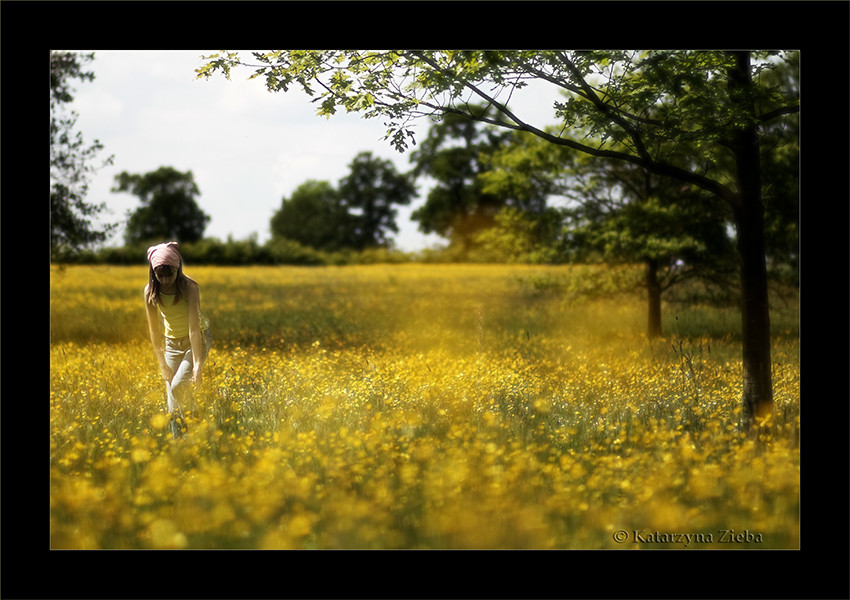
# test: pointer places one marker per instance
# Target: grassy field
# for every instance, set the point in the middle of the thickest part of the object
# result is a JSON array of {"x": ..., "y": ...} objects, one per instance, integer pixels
[{"x": 416, "y": 406}]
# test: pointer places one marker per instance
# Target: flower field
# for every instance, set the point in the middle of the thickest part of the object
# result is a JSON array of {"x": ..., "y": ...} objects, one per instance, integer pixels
[{"x": 416, "y": 406}]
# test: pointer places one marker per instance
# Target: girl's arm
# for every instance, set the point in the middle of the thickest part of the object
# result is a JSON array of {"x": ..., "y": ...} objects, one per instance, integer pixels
[
  {"x": 194, "y": 299},
  {"x": 157, "y": 340}
]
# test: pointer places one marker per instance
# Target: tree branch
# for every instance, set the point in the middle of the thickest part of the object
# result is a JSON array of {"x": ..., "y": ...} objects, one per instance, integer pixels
[
  {"x": 656, "y": 167},
  {"x": 783, "y": 110}
]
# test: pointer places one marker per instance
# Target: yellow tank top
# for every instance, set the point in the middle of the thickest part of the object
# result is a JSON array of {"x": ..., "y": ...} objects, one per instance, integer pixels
[{"x": 176, "y": 317}]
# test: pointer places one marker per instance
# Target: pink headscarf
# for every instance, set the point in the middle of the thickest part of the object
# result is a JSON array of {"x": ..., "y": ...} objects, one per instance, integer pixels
[{"x": 164, "y": 254}]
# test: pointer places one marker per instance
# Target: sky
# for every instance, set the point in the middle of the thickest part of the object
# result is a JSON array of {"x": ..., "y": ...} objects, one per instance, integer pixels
[{"x": 247, "y": 148}]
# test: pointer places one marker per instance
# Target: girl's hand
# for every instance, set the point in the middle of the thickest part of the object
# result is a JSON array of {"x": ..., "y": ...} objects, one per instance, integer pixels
[
  {"x": 197, "y": 378},
  {"x": 167, "y": 373}
]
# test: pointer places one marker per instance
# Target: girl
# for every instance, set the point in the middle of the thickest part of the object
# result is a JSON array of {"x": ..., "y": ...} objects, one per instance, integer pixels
[{"x": 176, "y": 298}]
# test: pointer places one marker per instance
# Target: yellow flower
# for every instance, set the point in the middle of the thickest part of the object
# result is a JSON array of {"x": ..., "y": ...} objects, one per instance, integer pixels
[
  {"x": 140, "y": 455},
  {"x": 163, "y": 534},
  {"x": 159, "y": 421}
]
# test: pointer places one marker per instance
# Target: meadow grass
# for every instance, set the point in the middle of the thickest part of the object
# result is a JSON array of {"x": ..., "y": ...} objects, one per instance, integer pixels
[{"x": 415, "y": 406}]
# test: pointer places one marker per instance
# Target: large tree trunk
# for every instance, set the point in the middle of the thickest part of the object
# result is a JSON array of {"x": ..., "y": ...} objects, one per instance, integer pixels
[
  {"x": 755, "y": 310},
  {"x": 749, "y": 221},
  {"x": 653, "y": 290}
]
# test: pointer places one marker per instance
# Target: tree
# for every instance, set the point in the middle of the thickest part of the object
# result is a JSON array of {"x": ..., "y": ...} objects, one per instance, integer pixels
[
  {"x": 646, "y": 108},
  {"x": 71, "y": 228},
  {"x": 313, "y": 216},
  {"x": 673, "y": 230},
  {"x": 168, "y": 211},
  {"x": 622, "y": 213},
  {"x": 457, "y": 207},
  {"x": 360, "y": 213},
  {"x": 369, "y": 193}
]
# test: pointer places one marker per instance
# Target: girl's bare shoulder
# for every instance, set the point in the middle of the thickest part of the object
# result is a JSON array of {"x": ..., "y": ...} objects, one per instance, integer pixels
[
  {"x": 149, "y": 302},
  {"x": 192, "y": 288}
]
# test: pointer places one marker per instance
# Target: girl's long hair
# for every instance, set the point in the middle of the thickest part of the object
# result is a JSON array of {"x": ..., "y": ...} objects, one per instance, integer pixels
[{"x": 181, "y": 283}]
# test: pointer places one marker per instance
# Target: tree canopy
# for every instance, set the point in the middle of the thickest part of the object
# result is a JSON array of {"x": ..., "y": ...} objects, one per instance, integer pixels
[
  {"x": 370, "y": 193},
  {"x": 453, "y": 156},
  {"x": 634, "y": 99},
  {"x": 311, "y": 216},
  {"x": 168, "y": 208},
  {"x": 71, "y": 162},
  {"x": 359, "y": 213}
]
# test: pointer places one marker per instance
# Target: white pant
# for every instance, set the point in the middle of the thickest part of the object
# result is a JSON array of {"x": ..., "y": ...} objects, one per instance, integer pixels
[{"x": 178, "y": 356}]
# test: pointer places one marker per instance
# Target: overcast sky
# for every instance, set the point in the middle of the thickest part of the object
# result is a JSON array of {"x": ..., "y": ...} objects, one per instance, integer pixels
[{"x": 246, "y": 147}]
